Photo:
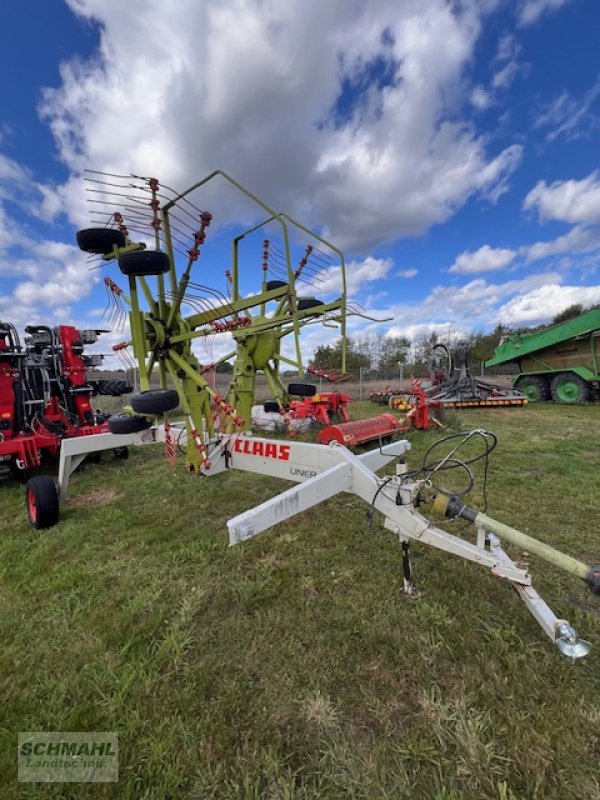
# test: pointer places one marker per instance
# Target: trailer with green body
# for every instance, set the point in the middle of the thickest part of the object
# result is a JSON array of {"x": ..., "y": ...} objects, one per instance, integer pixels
[{"x": 560, "y": 362}]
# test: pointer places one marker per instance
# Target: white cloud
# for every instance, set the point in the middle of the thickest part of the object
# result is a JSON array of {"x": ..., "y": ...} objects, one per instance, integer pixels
[
  {"x": 531, "y": 10},
  {"x": 505, "y": 76},
  {"x": 407, "y": 273},
  {"x": 570, "y": 117},
  {"x": 486, "y": 259},
  {"x": 577, "y": 240},
  {"x": 445, "y": 331},
  {"x": 481, "y": 98},
  {"x": 328, "y": 281},
  {"x": 543, "y": 303},
  {"x": 252, "y": 88},
  {"x": 569, "y": 201}
]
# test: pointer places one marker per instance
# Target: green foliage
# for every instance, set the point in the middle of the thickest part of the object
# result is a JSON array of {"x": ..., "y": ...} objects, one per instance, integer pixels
[
  {"x": 483, "y": 345},
  {"x": 568, "y": 313}
]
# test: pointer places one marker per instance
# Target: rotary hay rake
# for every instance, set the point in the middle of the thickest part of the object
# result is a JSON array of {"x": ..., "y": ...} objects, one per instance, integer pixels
[
  {"x": 217, "y": 429},
  {"x": 162, "y": 336}
]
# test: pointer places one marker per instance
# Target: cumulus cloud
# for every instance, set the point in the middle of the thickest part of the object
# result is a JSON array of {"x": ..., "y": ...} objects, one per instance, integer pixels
[
  {"x": 328, "y": 281},
  {"x": 543, "y": 303},
  {"x": 486, "y": 259},
  {"x": 577, "y": 240},
  {"x": 576, "y": 201},
  {"x": 531, "y": 10},
  {"x": 258, "y": 90}
]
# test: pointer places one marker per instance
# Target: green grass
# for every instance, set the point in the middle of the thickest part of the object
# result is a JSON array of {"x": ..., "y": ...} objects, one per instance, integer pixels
[{"x": 291, "y": 666}]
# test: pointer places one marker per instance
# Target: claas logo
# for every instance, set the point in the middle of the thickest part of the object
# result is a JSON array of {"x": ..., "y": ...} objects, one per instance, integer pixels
[{"x": 252, "y": 447}]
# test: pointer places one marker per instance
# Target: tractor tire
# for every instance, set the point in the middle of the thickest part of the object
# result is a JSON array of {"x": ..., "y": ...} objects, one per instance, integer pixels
[
  {"x": 302, "y": 389},
  {"x": 304, "y": 303},
  {"x": 534, "y": 387},
  {"x": 127, "y": 423},
  {"x": 144, "y": 262},
  {"x": 568, "y": 388},
  {"x": 41, "y": 502},
  {"x": 271, "y": 285},
  {"x": 99, "y": 240},
  {"x": 271, "y": 407},
  {"x": 155, "y": 401},
  {"x": 109, "y": 387}
]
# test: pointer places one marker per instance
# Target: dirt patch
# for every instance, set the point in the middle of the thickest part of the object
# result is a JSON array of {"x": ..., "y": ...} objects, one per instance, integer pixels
[{"x": 95, "y": 497}]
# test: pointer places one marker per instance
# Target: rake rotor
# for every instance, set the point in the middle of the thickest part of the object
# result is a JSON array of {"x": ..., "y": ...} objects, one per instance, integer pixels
[{"x": 159, "y": 272}]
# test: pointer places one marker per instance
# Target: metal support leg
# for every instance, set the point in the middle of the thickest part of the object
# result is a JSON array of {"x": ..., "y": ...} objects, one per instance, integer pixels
[{"x": 409, "y": 588}]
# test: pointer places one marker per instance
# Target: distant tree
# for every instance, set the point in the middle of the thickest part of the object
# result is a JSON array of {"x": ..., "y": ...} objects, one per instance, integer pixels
[
  {"x": 328, "y": 356},
  {"x": 568, "y": 313},
  {"x": 225, "y": 367},
  {"x": 393, "y": 351},
  {"x": 483, "y": 345}
]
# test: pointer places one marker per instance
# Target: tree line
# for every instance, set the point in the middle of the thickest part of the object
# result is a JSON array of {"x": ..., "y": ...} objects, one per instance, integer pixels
[{"x": 385, "y": 355}]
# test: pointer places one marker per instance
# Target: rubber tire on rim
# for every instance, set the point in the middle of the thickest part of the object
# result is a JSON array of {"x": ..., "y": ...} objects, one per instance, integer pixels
[
  {"x": 41, "y": 501},
  {"x": 271, "y": 407},
  {"x": 534, "y": 387},
  {"x": 99, "y": 240},
  {"x": 155, "y": 401},
  {"x": 127, "y": 423},
  {"x": 275, "y": 285},
  {"x": 302, "y": 389},
  {"x": 305, "y": 303},
  {"x": 110, "y": 387},
  {"x": 569, "y": 389},
  {"x": 144, "y": 262}
]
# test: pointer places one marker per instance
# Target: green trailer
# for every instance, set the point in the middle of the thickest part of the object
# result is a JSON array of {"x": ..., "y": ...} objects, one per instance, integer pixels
[{"x": 559, "y": 362}]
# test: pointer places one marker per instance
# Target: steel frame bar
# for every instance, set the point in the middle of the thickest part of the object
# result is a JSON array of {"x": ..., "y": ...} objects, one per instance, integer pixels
[{"x": 322, "y": 473}]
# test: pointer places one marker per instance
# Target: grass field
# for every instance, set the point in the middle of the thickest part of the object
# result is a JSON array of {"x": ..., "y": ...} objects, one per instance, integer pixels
[{"x": 292, "y": 667}]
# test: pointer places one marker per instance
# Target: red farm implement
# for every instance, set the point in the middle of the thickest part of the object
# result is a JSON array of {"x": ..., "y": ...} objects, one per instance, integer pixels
[{"x": 45, "y": 394}]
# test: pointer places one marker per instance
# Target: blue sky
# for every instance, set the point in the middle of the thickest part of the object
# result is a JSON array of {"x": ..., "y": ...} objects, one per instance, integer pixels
[{"x": 451, "y": 149}]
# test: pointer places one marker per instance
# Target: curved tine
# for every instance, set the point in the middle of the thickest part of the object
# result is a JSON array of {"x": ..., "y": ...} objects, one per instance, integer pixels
[
  {"x": 182, "y": 210},
  {"x": 320, "y": 257},
  {"x": 175, "y": 193},
  {"x": 308, "y": 282},
  {"x": 276, "y": 271},
  {"x": 110, "y": 174},
  {"x": 216, "y": 292},
  {"x": 323, "y": 253},
  {"x": 208, "y": 289},
  {"x": 225, "y": 309},
  {"x": 134, "y": 214},
  {"x": 191, "y": 302},
  {"x": 106, "y": 193}
]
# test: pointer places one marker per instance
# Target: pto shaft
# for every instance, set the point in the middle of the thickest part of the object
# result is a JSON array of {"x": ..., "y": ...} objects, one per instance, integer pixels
[{"x": 453, "y": 507}]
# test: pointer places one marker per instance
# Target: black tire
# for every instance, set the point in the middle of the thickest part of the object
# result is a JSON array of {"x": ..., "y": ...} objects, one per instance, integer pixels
[
  {"x": 305, "y": 303},
  {"x": 155, "y": 401},
  {"x": 271, "y": 407},
  {"x": 99, "y": 240},
  {"x": 121, "y": 453},
  {"x": 534, "y": 387},
  {"x": 144, "y": 262},
  {"x": 41, "y": 502},
  {"x": 111, "y": 388},
  {"x": 271, "y": 285},
  {"x": 127, "y": 423},
  {"x": 568, "y": 388},
  {"x": 302, "y": 389}
]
